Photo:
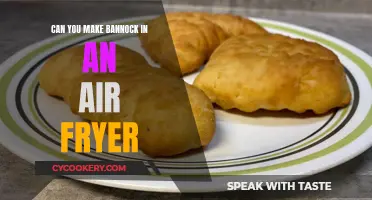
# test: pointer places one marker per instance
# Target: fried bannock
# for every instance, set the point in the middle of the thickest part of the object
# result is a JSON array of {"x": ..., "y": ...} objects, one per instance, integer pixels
[
  {"x": 274, "y": 72},
  {"x": 172, "y": 116},
  {"x": 182, "y": 42},
  {"x": 59, "y": 70}
]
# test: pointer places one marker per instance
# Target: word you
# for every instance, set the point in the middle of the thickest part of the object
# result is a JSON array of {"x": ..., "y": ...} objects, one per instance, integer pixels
[
  {"x": 280, "y": 186},
  {"x": 99, "y": 29}
]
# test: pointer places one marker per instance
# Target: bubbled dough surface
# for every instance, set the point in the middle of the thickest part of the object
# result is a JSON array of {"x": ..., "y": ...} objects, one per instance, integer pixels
[
  {"x": 274, "y": 72},
  {"x": 173, "y": 117},
  {"x": 181, "y": 42}
]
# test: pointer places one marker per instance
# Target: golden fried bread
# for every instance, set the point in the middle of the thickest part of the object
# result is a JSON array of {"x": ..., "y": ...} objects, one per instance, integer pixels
[
  {"x": 66, "y": 66},
  {"x": 274, "y": 72},
  {"x": 171, "y": 125},
  {"x": 182, "y": 42},
  {"x": 172, "y": 116}
]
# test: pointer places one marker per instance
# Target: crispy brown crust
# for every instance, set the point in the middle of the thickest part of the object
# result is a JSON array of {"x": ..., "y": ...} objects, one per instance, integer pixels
[
  {"x": 274, "y": 72},
  {"x": 158, "y": 101},
  {"x": 192, "y": 36}
]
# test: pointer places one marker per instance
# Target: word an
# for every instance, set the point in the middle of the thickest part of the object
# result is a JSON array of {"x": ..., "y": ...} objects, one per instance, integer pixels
[
  {"x": 110, "y": 91},
  {"x": 83, "y": 130},
  {"x": 107, "y": 57}
]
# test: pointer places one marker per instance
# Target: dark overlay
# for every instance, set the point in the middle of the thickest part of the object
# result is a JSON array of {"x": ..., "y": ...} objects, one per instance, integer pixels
[{"x": 61, "y": 168}]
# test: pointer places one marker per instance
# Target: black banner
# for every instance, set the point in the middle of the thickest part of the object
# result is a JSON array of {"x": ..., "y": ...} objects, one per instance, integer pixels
[{"x": 62, "y": 168}]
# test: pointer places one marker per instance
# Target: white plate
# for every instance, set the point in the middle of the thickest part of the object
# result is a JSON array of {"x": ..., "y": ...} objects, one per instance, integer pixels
[{"x": 252, "y": 144}]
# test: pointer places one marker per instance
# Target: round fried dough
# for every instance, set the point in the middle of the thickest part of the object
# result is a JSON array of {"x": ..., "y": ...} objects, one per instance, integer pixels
[
  {"x": 182, "y": 42},
  {"x": 61, "y": 69},
  {"x": 274, "y": 72},
  {"x": 172, "y": 116},
  {"x": 166, "y": 125}
]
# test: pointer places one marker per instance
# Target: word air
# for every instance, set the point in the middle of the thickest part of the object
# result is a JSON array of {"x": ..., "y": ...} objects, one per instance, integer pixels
[
  {"x": 124, "y": 133},
  {"x": 107, "y": 97}
]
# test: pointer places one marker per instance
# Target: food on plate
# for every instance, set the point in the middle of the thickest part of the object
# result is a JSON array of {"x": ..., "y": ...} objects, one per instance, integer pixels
[
  {"x": 59, "y": 70},
  {"x": 274, "y": 72},
  {"x": 182, "y": 42},
  {"x": 172, "y": 116}
]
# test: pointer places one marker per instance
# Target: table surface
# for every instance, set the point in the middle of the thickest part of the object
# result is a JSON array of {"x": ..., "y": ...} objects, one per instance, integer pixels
[{"x": 26, "y": 23}]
